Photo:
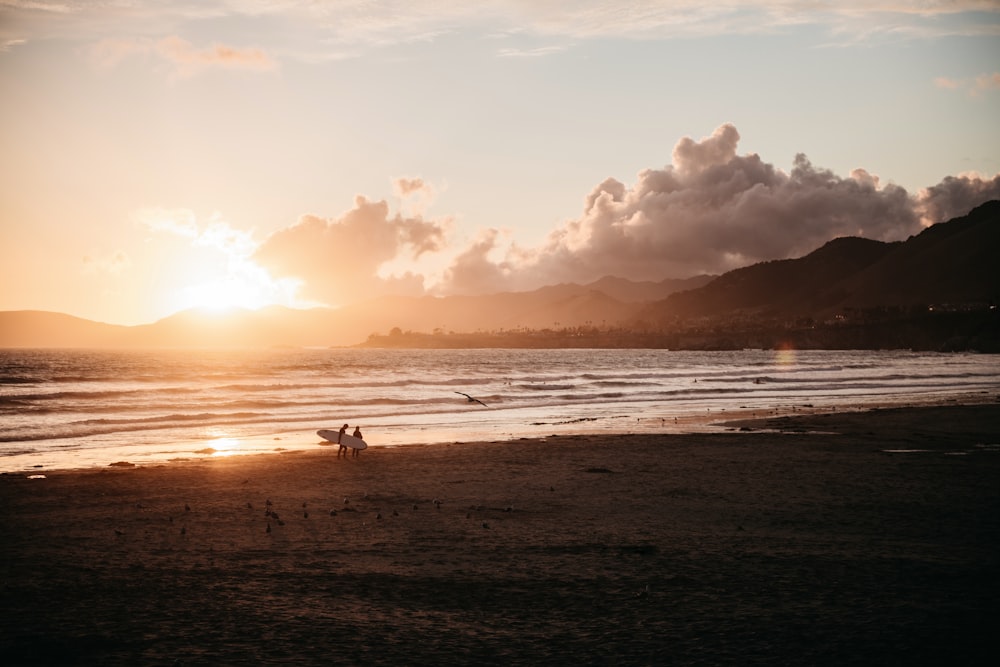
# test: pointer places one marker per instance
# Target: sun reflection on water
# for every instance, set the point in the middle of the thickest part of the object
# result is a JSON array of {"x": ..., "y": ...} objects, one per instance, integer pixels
[{"x": 785, "y": 357}]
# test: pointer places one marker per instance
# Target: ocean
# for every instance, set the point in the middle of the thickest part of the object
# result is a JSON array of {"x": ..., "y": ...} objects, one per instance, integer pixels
[{"x": 83, "y": 408}]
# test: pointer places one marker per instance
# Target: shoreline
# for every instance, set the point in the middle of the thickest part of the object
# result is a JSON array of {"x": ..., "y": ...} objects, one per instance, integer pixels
[
  {"x": 865, "y": 537},
  {"x": 284, "y": 441}
]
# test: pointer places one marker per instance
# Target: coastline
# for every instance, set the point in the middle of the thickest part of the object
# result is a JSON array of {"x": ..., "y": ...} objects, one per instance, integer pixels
[
  {"x": 866, "y": 537},
  {"x": 61, "y": 457}
]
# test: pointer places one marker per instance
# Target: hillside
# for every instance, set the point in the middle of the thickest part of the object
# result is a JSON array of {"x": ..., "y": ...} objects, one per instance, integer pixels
[
  {"x": 777, "y": 288},
  {"x": 950, "y": 264},
  {"x": 35, "y": 328}
]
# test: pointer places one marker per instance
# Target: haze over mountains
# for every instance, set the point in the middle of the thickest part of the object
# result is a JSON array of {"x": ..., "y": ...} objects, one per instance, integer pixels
[{"x": 951, "y": 266}]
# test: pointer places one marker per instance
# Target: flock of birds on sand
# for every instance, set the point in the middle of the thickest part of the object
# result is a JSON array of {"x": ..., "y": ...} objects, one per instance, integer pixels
[{"x": 271, "y": 514}]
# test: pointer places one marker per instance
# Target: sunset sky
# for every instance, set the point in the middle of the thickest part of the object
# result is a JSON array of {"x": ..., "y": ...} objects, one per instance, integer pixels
[{"x": 164, "y": 155}]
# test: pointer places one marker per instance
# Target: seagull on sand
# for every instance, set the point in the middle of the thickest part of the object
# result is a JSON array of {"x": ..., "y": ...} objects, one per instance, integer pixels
[{"x": 472, "y": 400}]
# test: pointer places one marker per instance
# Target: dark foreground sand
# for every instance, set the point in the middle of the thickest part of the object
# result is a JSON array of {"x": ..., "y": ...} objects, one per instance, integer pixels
[{"x": 744, "y": 548}]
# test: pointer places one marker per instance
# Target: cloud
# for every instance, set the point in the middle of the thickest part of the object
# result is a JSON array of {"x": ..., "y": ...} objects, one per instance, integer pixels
[
  {"x": 475, "y": 272},
  {"x": 710, "y": 211},
  {"x": 8, "y": 44},
  {"x": 988, "y": 81},
  {"x": 343, "y": 27},
  {"x": 955, "y": 196},
  {"x": 216, "y": 234},
  {"x": 338, "y": 260},
  {"x": 416, "y": 194},
  {"x": 190, "y": 59},
  {"x": 947, "y": 83},
  {"x": 974, "y": 87},
  {"x": 180, "y": 222},
  {"x": 537, "y": 52},
  {"x": 185, "y": 59}
]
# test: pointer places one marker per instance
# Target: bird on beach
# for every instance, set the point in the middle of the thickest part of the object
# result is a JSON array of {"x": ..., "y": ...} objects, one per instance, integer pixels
[{"x": 471, "y": 399}]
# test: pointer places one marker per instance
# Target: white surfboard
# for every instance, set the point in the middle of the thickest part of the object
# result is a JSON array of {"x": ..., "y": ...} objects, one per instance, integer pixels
[{"x": 347, "y": 440}]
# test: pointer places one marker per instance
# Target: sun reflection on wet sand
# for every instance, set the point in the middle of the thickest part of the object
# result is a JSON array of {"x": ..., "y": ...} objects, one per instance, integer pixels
[{"x": 225, "y": 446}]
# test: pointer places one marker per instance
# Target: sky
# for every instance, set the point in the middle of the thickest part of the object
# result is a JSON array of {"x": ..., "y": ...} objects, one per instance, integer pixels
[{"x": 164, "y": 155}]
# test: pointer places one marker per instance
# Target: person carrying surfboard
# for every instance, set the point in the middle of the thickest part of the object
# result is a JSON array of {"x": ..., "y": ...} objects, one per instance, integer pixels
[
  {"x": 357, "y": 434},
  {"x": 343, "y": 448}
]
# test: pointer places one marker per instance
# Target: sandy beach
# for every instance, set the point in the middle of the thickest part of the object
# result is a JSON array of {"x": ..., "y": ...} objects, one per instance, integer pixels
[{"x": 861, "y": 538}]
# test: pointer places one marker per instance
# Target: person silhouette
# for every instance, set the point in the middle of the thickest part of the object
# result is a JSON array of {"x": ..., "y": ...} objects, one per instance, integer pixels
[
  {"x": 357, "y": 434},
  {"x": 343, "y": 448}
]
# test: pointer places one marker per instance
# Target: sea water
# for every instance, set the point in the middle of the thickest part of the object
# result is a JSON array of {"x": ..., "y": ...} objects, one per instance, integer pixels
[{"x": 79, "y": 408}]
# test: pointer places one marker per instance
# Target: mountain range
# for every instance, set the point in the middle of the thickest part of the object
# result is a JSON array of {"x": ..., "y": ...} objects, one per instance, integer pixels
[{"x": 950, "y": 266}]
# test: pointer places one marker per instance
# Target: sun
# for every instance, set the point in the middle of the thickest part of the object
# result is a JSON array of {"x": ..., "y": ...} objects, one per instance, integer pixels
[
  {"x": 211, "y": 267},
  {"x": 247, "y": 287},
  {"x": 224, "y": 295}
]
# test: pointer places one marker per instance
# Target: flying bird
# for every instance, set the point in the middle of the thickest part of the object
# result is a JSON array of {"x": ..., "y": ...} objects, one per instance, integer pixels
[{"x": 472, "y": 400}]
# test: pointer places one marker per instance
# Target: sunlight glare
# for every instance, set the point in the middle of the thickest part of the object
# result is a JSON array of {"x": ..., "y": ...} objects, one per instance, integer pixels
[
  {"x": 245, "y": 286},
  {"x": 223, "y": 295},
  {"x": 225, "y": 446}
]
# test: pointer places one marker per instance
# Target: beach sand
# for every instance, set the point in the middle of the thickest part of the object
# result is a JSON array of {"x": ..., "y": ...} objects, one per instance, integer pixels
[{"x": 861, "y": 538}]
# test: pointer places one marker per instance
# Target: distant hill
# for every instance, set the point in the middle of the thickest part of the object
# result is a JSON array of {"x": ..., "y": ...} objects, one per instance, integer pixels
[
  {"x": 36, "y": 328},
  {"x": 782, "y": 287},
  {"x": 629, "y": 291},
  {"x": 948, "y": 264},
  {"x": 556, "y": 306},
  {"x": 267, "y": 327}
]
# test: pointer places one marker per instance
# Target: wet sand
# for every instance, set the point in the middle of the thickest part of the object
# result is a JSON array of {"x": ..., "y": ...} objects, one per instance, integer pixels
[{"x": 861, "y": 538}]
